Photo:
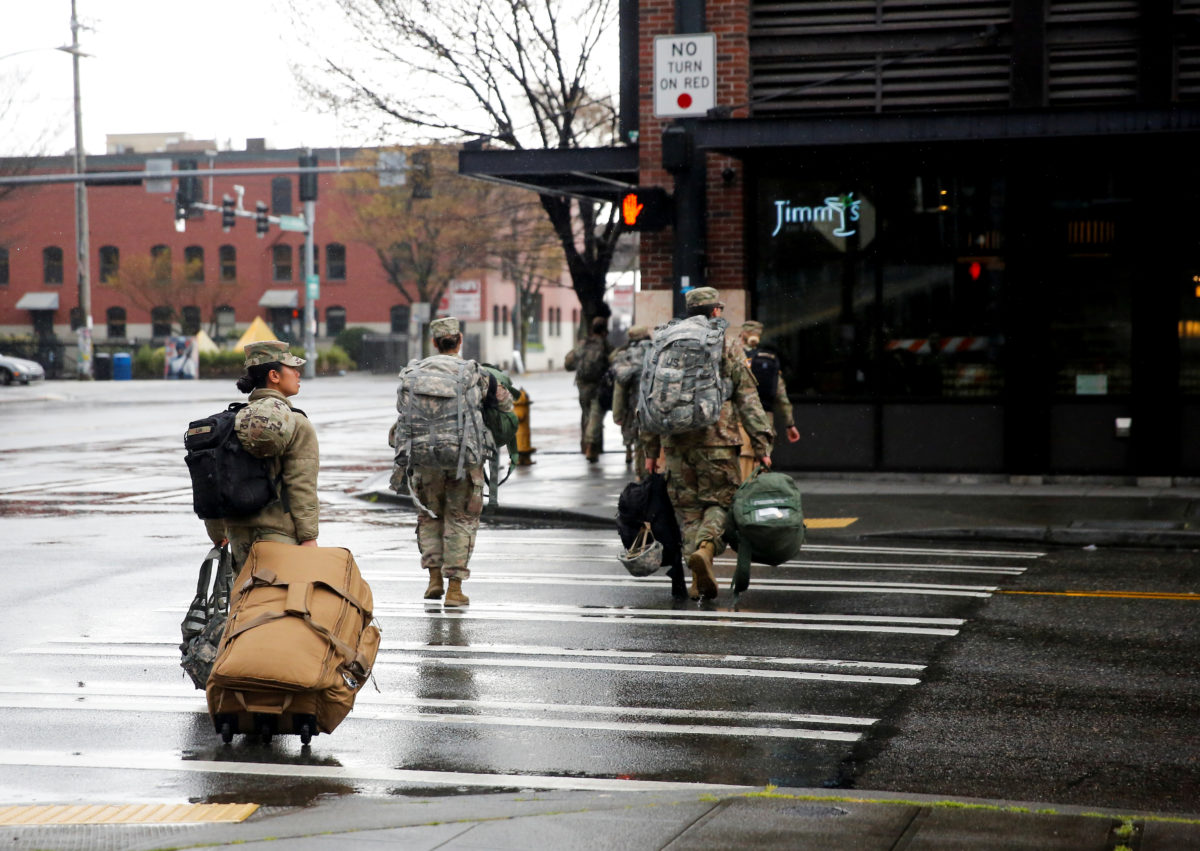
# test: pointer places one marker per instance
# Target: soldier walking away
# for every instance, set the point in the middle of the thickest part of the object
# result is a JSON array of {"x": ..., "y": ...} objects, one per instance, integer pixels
[
  {"x": 702, "y": 466},
  {"x": 441, "y": 445},
  {"x": 772, "y": 390},
  {"x": 627, "y": 370},
  {"x": 269, "y": 427},
  {"x": 589, "y": 361}
]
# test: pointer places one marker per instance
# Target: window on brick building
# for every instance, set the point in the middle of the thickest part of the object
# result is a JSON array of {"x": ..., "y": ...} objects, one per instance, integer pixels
[
  {"x": 193, "y": 263},
  {"x": 190, "y": 323},
  {"x": 160, "y": 322},
  {"x": 281, "y": 261},
  {"x": 110, "y": 262},
  {"x": 115, "y": 319},
  {"x": 225, "y": 320},
  {"x": 335, "y": 261},
  {"x": 335, "y": 321},
  {"x": 227, "y": 257},
  {"x": 3, "y": 267},
  {"x": 281, "y": 196},
  {"x": 160, "y": 261},
  {"x": 52, "y": 265}
]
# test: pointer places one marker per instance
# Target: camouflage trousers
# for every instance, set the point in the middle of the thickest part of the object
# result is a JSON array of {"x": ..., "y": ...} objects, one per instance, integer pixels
[
  {"x": 591, "y": 416},
  {"x": 446, "y": 541},
  {"x": 701, "y": 483}
]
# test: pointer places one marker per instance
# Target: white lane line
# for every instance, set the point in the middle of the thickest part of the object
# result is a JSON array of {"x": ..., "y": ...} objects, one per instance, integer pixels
[
  {"x": 761, "y": 673},
  {"x": 378, "y": 713},
  {"x": 178, "y": 696},
  {"x": 500, "y": 538},
  {"x": 535, "y": 610},
  {"x": 615, "y": 581},
  {"x": 172, "y": 761},
  {"x": 167, "y": 648}
]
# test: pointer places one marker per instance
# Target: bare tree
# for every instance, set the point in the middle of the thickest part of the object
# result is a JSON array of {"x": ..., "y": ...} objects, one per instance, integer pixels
[
  {"x": 516, "y": 73},
  {"x": 423, "y": 243}
]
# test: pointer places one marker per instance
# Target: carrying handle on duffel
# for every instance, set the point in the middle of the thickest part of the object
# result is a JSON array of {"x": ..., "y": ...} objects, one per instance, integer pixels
[{"x": 264, "y": 709}]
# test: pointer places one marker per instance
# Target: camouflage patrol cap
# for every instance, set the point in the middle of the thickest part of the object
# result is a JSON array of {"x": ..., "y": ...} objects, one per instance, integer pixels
[
  {"x": 443, "y": 326},
  {"x": 752, "y": 327},
  {"x": 704, "y": 296},
  {"x": 270, "y": 351},
  {"x": 639, "y": 332}
]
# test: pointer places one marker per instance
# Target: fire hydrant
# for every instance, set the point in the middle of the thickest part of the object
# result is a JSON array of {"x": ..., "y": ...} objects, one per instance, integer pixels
[{"x": 525, "y": 449}]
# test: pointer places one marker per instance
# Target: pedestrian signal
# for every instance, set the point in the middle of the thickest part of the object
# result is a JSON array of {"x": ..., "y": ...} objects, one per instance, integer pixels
[{"x": 646, "y": 209}]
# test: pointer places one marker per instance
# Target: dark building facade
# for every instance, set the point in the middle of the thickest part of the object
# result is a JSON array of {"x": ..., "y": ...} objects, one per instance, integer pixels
[{"x": 970, "y": 228}]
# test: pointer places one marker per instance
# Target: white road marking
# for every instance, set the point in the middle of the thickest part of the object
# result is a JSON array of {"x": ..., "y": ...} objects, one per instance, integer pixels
[
  {"x": 499, "y": 537},
  {"x": 171, "y": 761}
]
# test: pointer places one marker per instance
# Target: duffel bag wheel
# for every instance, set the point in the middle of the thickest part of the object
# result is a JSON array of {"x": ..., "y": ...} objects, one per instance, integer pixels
[
  {"x": 226, "y": 732},
  {"x": 305, "y": 733}
]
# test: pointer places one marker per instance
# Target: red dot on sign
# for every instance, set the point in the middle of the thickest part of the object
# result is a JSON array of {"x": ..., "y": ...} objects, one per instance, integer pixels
[{"x": 684, "y": 101}]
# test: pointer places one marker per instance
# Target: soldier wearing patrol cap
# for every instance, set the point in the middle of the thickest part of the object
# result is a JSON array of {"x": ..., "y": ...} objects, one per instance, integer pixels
[
  {"x": 269, "y": 427},
  {"x": 774, "y": 399},
  {"x": 449, "y": 501},
  {"x": 627, "y": 372},
  {"x": 702, "y": 465}
]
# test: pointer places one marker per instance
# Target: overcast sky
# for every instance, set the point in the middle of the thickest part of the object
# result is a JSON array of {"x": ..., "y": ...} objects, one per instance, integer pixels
[{"x": 212, "y": 70}]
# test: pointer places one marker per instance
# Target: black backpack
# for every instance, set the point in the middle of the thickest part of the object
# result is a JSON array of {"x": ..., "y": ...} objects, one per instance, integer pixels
[
  {"x": 765, "y": 367},
  {"x": 227, "y": 481},
  {"x": 647, "y": 501}
]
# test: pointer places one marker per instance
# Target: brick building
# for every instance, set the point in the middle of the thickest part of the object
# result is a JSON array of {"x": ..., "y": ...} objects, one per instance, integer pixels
[
  {"x": 238, "y": 275},
  {"x": 970, "y": 228}
]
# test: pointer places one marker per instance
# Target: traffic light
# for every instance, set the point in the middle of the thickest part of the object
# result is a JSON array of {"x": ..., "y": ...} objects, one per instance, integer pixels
[
  {"x": 422, "y": 175},
  {"x": 187, "y": 193},
  {"x": 308, "y": 180},
  {"x": 646, "y": 209},
  {"x": 260, "y": 219},
  {"x": 228, "y": 217}
]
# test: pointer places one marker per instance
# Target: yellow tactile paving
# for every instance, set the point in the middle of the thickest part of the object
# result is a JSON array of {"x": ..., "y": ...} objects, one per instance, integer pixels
[
  {"x": 57, "y": 814},
  {"x": 828, "y": 522}
]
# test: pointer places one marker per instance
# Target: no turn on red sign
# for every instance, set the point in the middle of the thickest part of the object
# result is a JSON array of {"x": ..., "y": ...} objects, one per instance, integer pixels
[{"x": 685, "y": 74}]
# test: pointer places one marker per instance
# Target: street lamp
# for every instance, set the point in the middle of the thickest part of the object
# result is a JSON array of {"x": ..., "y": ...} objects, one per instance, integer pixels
[{"x": 82, "y": 249}]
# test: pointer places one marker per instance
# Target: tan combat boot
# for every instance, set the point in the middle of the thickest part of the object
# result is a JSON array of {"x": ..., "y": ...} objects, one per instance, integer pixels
[
  {"x": 700, "y": 564},
  {"x": 455, "y": 598},
  {"x": 435, "y": 588}
]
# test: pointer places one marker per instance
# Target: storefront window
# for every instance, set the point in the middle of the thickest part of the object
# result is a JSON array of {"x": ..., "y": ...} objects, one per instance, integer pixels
[{"x": 941, "y": 291}]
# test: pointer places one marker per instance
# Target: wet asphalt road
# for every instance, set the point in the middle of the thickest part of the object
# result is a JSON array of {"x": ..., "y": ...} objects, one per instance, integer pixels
[{"x": 899, "y": 667}]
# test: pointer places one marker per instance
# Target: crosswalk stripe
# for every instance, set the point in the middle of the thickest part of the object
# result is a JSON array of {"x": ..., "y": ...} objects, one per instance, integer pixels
[
  {"x": 170, "y": 761},
  {"x": 499, "y": 537}
]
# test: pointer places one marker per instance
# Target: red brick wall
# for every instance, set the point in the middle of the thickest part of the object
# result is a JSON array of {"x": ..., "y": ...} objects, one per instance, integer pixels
[{"x": 729, "y": 19}]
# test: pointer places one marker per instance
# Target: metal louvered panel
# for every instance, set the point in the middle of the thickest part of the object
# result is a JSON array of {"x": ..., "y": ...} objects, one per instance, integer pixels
[
  {"x": 963, "y": 80},
  {"x": 1092, "y": 74},
  {"x": 1187, "y": 72},
  {"x": 1078, "y": 11},
  {"x": 814, "y": 16}
]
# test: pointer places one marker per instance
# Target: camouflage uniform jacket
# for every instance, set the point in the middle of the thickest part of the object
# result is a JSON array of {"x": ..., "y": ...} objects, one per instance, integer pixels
[
  {"x": 743, "y": 408},
  {"x": 269, "y": 427}
]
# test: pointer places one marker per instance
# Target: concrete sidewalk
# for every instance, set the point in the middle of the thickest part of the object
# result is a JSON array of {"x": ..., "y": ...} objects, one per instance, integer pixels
[
  {"x": 633, "y": 821},
  {"x": 564, "y": 488}
]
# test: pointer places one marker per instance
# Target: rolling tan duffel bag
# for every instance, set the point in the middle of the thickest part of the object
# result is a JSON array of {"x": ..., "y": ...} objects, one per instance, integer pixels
[{"x": 298, "y": 646}]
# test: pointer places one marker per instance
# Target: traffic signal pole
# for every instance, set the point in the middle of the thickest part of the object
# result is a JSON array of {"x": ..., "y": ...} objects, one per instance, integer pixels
[
  {"x": 82, "y": 244},
  {"x": 310, "y": 298}
]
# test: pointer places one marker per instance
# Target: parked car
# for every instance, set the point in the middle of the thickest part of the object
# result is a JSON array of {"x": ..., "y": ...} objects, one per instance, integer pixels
[{"x": 18, "y": 369}]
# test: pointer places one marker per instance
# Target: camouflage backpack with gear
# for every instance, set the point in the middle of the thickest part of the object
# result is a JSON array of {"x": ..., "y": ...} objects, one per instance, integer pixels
[
  {"x": 627, "y": 365},
  {"x": 440, "y": 419},
  {"x": 681, "y": 386},
  {"x": 591, "y": 362}
]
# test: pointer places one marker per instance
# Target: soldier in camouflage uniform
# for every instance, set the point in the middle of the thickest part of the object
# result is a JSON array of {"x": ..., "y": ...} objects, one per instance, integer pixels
[
  {"x": 702, "y": 465},
  {"x": 269, "y": 427},
  {"x": 752, "y": 332},
  {"x": 588, "y": 361},
  {"x": 447, "y": 539},
  {"x": 627, "y": 361}
]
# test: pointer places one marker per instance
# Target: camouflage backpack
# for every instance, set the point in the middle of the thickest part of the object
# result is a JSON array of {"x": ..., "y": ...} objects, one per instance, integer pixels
[
  {"x": 592, "y": 361},
  {"x": 627, "y": 365},
  {"x": 440, "y": 421},
  {"x": 681, "y": 386}
]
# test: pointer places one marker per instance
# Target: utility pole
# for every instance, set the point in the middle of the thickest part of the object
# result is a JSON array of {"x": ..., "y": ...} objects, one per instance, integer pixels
[
  {"x": 82, "y": 249},
  {"x": 308, "y": 194}
]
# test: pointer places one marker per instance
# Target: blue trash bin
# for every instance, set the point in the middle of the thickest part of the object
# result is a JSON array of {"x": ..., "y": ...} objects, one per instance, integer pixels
[{"x": 122, "y": 366}]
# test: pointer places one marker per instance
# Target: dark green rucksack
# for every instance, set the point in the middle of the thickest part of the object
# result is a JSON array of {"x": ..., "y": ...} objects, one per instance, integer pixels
[
  {"x": 765, "y": 523},
  {"x": 503, "y": 428}
]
